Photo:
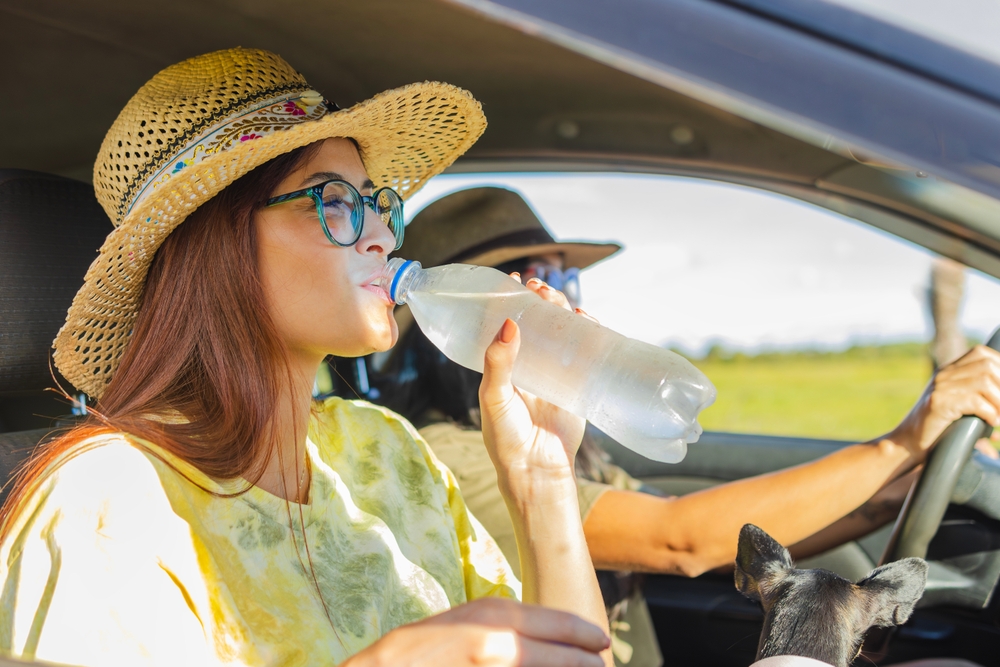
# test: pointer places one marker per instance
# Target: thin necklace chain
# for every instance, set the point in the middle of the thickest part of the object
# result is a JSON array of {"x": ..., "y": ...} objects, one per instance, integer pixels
[{"x": 305, "y": 544}]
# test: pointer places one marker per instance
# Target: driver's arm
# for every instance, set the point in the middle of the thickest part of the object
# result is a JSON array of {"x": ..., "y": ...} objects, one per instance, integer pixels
[
  {"x": 698, "y": 532},
  {"x": 691, "y": 534},
  {"x": 882, "y": 508}
]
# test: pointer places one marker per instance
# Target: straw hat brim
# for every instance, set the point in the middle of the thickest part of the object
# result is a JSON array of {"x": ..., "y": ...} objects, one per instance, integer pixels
[{"x": 398, "y": 132}]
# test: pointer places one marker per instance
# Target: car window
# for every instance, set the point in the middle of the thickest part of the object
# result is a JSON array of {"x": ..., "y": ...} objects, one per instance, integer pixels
[{"x": 810, "y": 324}]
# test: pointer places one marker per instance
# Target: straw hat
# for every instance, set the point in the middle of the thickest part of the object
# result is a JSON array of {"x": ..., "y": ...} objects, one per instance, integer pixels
[
  {"x": 488, "y": 226},
  {"x": 196, "y": 127}
]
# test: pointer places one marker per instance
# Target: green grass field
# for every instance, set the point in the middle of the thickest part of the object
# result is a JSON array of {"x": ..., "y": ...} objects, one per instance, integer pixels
[{"x": 852, "y": 395}]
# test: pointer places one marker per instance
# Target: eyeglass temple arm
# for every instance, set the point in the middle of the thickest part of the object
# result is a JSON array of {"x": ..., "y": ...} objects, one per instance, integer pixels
[{"x": 307, "y": 192}]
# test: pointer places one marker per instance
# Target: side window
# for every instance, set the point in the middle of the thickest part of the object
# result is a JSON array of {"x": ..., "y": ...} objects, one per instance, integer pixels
[{"x": 809, "y": 323}]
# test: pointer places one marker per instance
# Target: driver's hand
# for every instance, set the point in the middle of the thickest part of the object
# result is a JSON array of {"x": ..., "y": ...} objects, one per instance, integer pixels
[{"x": 969, "y": 386}]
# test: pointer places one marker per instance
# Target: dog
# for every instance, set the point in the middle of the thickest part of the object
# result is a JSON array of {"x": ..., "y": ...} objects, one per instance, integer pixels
[{"x": 816, "y": 613}]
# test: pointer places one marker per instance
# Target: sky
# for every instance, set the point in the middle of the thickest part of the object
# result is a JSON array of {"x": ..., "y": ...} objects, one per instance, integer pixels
[{"x": 710, "y": 263}]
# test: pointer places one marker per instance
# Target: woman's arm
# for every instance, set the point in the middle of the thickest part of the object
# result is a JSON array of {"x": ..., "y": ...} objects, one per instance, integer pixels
[
  {"x": 533, "y": 444},
  {"x": 698, "y": 532}
]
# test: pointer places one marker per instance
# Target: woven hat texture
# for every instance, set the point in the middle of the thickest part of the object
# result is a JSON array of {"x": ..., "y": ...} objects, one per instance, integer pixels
[
  {"x": 489, "y": 226},
  {"x": 196, "y": 127}
]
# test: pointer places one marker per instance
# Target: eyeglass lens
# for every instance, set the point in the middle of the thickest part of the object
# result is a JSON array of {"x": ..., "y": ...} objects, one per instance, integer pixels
[
  {"x": 343, "y": 212},
  {"x": 339, "y": 206},
  {"x": 389, "y": 207}
]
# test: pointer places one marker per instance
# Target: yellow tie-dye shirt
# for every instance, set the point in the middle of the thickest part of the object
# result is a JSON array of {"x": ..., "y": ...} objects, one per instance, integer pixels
[{"x": 120, "y": 559}]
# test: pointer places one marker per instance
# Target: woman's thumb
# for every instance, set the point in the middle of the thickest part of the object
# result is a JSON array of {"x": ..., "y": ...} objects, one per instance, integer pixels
[{"x": 499, "y": 362}]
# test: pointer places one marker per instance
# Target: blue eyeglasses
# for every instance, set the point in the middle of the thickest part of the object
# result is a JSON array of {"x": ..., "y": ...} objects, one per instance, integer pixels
[{"x": 341, "y": 210}]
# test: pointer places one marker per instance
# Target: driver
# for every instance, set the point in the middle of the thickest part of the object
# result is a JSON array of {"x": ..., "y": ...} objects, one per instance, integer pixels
[{"x": 812, "y": 507}]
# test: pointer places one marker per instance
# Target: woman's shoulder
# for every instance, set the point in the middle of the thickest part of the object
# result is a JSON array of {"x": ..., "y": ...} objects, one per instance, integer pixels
[
  {"x": 104, "y": 468},
  {"x": 94, "y": 459},
  {"x": 100, "y": 476}
]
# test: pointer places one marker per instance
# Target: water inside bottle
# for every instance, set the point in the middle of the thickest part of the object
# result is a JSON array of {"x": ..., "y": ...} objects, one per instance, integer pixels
[{"x": 645, "y": 397}]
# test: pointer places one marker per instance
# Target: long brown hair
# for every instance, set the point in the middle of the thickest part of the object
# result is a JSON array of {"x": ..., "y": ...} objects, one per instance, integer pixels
[{"x": 203, "y": 348}]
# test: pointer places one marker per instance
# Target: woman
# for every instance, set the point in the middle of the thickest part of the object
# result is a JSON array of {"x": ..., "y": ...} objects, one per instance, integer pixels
[{"x": 207, "y": 513}]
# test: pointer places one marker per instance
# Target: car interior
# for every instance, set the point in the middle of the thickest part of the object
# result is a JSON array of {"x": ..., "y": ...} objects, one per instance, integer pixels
[{"x": 561, "y": 96}]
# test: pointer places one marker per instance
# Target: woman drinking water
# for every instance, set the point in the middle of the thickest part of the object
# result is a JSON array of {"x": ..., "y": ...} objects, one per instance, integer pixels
[{"x": 208, "y": 512}]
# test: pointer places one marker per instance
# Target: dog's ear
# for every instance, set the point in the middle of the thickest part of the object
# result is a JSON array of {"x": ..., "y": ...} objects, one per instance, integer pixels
[
  {"x": 893, "y": 591},
  {"x": 760, "y": 563}
]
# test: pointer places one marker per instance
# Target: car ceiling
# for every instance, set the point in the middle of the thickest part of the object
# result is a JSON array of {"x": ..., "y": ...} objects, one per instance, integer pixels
[{"x": 69, "y": 67}]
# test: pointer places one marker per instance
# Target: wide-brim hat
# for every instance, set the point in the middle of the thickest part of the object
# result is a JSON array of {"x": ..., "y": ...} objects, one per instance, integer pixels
[
  {"x": 488, "y": 226},
  {"x": 200, "y": 125}
]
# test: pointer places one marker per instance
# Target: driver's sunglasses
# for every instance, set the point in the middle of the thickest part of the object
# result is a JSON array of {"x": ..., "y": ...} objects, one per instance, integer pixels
[
  {"x": 566, "y": 281},
  {"x": 341, "y": 210}
]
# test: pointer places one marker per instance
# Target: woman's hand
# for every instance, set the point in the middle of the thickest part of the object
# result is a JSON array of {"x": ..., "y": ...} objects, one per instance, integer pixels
[
  {"x": 525, "y": 435},
  {"x": 969, "y": 386},
  {"x": 533, "y": 444},
  {"x": 489, "y": 632}
]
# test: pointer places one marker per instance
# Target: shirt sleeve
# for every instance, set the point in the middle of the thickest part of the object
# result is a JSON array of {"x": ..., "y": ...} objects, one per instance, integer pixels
[
  {"x": 93, "y": 568},
  {"x": 588, "y": 492}
]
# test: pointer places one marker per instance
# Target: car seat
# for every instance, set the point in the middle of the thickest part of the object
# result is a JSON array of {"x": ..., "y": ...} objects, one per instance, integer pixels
[{"x": 50, "y": 230}]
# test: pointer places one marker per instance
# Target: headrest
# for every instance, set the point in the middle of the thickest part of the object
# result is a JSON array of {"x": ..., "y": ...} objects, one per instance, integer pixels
[{"x": 50, "y": 230}]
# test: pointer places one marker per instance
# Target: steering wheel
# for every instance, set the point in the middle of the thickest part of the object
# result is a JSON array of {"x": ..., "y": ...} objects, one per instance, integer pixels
[{"x": 928, "y": 499}]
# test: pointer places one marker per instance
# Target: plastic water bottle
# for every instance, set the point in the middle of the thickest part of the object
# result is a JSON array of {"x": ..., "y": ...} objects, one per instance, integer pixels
[{"x": 645, "y": 397}]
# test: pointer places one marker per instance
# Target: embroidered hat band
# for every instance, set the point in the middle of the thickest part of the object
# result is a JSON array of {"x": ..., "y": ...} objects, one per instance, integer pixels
[{"x": 260, "y": 120}]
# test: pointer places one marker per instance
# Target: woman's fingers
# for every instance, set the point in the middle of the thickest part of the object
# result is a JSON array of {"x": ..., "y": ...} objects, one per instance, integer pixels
[
  {"x": 534, "y": 653},
  {"x": 551, "y": 295},
  {"x": 557, "y": 626},
  {"x": 458, "y": 643},
  {"x": 544, "y": 290},
  {"x": 468, "y": 644},
  {"x": 541, "y": 623},
  {"x": 531, "y": 621},
  {"x": 498, "y": 365}
]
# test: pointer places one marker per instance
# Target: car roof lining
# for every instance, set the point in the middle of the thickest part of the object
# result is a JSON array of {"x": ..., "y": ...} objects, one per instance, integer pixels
[{"x": 74, "y": 65}]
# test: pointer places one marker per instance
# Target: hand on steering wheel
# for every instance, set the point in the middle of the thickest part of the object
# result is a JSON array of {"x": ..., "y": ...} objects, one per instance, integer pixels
[
  {"x": 969, "y": 386},
  {"x": 960, "y": 406}
]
